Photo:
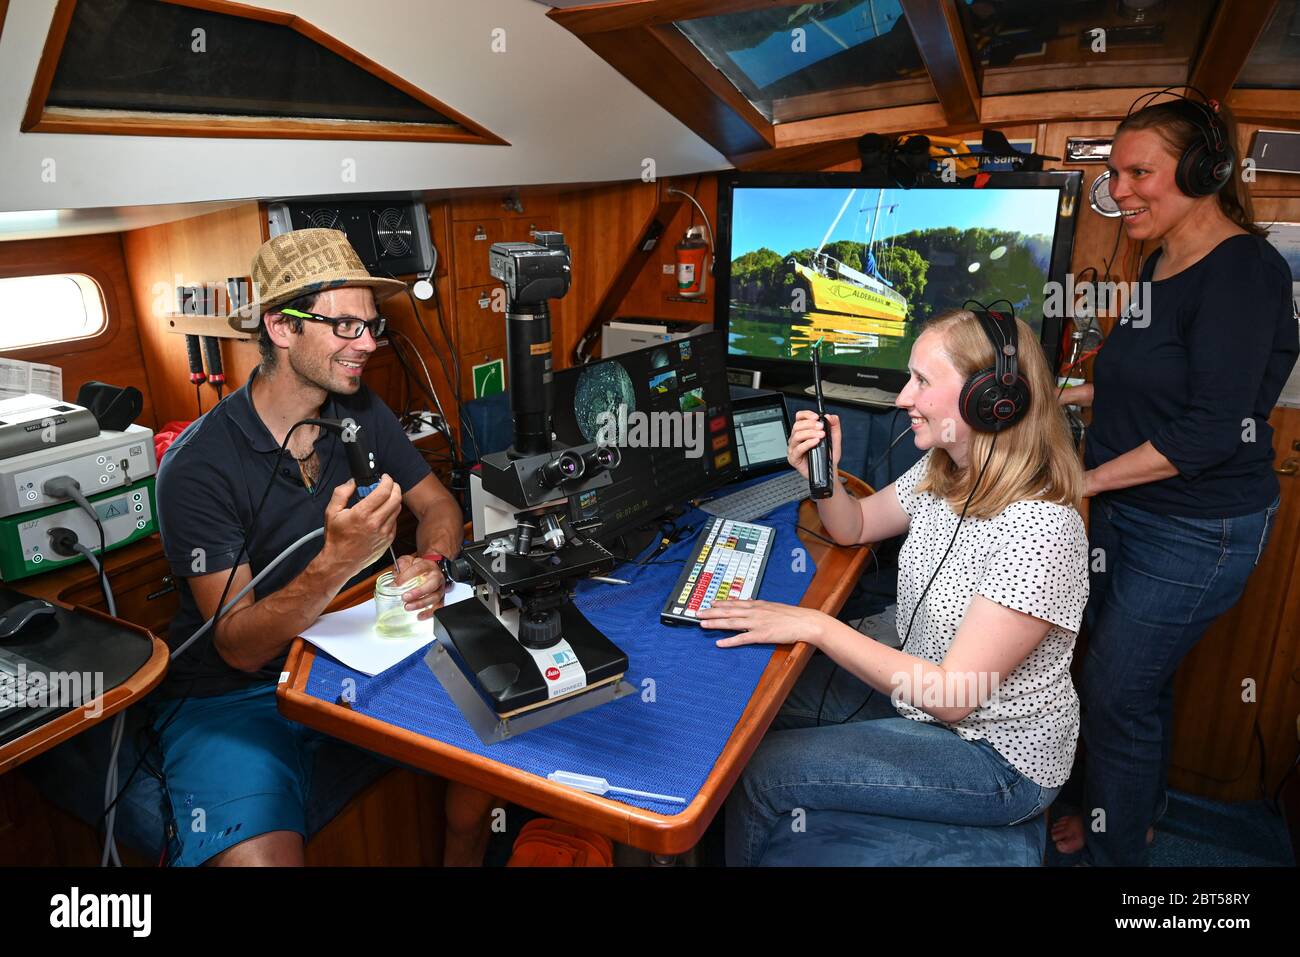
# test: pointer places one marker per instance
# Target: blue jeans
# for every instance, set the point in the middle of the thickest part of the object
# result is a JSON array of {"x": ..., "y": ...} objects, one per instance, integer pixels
[
  {"x": 1157, "y": 583},
  {"x": 877, "y": 763}
]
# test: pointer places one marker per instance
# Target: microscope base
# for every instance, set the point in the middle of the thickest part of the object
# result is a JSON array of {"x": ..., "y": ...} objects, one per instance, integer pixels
[{"x": 497, "y": 683}]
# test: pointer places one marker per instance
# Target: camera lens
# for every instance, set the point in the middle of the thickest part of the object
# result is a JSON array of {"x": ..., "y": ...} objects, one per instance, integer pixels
[{"x": 566, "y": 467}]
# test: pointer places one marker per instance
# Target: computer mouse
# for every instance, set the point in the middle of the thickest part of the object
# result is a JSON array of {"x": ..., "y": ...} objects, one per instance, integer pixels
[{"x": 23, "y": 616}]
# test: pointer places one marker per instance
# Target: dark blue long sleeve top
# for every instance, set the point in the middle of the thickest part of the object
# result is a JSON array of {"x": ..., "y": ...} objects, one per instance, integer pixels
[{"x": 1196, "y": 368}]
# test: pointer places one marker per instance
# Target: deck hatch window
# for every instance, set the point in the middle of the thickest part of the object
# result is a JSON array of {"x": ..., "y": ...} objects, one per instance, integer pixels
[
  {"x": 35, "y": 310},
  {"x": 1275, "y": 61},
  {"x": 1067, "y": 45},
  {"x": 799, "y": 62}
]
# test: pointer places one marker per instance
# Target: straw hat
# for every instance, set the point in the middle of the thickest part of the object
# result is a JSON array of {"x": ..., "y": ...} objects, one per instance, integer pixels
[{"x": 301, "y": 262}]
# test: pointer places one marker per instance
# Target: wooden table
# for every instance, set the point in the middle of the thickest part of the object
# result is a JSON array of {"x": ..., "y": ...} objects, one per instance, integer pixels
[{"x": 838, "y": 569}]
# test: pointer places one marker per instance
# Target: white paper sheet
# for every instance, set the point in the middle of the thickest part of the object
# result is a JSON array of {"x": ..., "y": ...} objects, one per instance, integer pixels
[
  {"x": 349, "y": 635},
  {"x": 18, "y": 378}
]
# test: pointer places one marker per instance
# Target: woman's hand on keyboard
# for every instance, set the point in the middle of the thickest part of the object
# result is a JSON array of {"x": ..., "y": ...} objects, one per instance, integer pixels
[
  {"x": 807, "y": 432},
  {"x": 765, "y": 623}
]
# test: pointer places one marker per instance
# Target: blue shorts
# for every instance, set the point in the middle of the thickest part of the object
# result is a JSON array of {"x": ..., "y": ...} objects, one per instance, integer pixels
[{"x": 235, "y": 768}]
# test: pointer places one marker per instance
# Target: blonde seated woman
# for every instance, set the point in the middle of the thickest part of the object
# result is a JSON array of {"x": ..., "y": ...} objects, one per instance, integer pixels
[{"x": 974, "y": 721}]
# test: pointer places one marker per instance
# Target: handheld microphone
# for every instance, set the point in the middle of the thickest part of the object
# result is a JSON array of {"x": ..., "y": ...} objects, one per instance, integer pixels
[
  {"x": 361, "y": 458},
  {"x": 820, "y": 481}
]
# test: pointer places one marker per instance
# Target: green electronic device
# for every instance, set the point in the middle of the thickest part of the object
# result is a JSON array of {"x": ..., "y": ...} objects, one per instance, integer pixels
[{"x": 128, "y": 514}]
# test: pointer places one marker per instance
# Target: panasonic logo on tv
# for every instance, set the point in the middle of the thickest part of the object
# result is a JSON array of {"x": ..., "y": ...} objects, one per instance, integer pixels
[{"x": 133, "y": 911}]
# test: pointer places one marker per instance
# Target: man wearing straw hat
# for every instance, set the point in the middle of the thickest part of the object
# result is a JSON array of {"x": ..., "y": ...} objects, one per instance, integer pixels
[{"x": 226, "y": 750}]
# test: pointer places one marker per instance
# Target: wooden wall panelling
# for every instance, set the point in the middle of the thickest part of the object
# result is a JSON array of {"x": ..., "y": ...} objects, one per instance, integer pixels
[
  {"x": 481, "y": 328},
  {"x": 653, "y": 291},
  {"x": 472, "y": 239},
  {"x": 204, "y": 249},
  {"x": 534, "y": 202},
  {"x": 1267, "y": 184},
  {"x": 604, "y": 224},
  {"x": 396, "y": 822},
  {"x": 1095, "y": 235},
  {"x": 114, "y": 356},
  {"x": 1216, "y": 751},
  {"x": 1279, "y": 695}
]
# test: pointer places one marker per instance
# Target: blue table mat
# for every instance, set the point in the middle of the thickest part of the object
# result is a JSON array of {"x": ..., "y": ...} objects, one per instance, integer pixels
[{"x": 664, "y": 739}]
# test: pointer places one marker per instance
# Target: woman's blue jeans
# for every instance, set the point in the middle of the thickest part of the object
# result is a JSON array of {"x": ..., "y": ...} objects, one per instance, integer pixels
[
  {"x": 876, "y": 763},
  {"x": 1157, "y": 582}
]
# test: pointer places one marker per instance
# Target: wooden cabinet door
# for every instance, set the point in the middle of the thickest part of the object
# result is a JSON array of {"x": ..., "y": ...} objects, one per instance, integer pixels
[
  {"x": 480, "y": 327},
  {"x": 472, "y": 239},
  {"x": 146, "y": 593}
]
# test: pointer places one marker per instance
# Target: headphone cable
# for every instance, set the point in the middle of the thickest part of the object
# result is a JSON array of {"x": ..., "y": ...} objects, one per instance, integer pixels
[{"x": 915, "y": 608}]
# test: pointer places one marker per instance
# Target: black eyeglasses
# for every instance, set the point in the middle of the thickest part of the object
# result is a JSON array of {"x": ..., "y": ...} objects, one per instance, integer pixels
[{"x": 345, "y": 327}]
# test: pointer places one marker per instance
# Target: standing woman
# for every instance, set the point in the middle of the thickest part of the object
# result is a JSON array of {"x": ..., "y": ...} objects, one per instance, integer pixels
[{"x": 1179, "y": 455}]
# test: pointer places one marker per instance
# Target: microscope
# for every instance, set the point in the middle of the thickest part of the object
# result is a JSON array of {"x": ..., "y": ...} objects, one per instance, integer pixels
[{"x": 520, "y": 654}]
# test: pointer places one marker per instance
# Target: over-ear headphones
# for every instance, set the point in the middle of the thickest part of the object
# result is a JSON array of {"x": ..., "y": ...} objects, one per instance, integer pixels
[
  {"x": 1206, "y": 165},
  {"x": 996, "y": 397}
]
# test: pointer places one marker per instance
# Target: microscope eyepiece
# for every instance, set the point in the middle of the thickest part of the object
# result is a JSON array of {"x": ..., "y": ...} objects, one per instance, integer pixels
[
  {"x": 565, "y": 467},
  {"x": 601, "y": 458}
]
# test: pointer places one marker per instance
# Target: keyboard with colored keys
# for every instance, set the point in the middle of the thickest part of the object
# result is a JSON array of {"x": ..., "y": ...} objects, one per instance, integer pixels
[{"x": 728, "y": 562}]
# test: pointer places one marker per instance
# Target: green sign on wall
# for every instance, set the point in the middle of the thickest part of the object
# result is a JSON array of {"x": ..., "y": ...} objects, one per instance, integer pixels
[{"x": 489, "y": 378}]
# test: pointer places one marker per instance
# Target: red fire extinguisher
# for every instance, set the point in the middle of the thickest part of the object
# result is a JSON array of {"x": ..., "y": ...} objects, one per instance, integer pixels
[{"x": 692, "y": 263}]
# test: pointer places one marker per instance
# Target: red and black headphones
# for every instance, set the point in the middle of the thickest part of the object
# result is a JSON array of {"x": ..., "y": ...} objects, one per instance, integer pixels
[
  {"x": 996, "y": 397},
  {"x": 1207, "y": 163}
]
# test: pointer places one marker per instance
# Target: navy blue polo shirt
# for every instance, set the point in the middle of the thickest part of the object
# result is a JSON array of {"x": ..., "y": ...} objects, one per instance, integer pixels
[
  {"x": 1197, "y": 375},
  {"x": 209, "y": 485}
]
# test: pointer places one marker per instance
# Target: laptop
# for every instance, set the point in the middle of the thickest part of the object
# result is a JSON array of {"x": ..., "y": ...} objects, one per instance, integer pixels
[{"x": 762, "y": 424}]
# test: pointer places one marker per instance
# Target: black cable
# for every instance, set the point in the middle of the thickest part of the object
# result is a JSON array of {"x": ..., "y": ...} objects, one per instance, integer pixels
[
  {"x": 885, "y": 456},
  {"x": 453, "y": 381},
  {"x": 920, "y": 601},
  {"x": 829, "y": 541},
  {"x": 1119, "y": 228},
  {"x": 102, "y": 574},
  {"x": 427, "y": 389},
  {"x": 234, "y": 569}
]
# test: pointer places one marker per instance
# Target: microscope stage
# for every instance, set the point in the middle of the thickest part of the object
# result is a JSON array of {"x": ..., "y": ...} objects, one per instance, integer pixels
[{"x": 508, "y": 675}]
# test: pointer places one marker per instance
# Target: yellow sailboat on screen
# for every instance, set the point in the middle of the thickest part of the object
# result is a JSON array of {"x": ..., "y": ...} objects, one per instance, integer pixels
[{"x": 849, "y": 300}]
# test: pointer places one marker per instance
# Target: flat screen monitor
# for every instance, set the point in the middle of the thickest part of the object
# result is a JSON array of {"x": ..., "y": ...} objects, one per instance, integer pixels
[
  {"x": 861, "y": 266},
  {"x": 668, "y": 410}
]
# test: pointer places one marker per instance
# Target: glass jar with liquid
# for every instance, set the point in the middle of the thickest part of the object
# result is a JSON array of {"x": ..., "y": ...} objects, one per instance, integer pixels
[{"x": 392, "y": 620}]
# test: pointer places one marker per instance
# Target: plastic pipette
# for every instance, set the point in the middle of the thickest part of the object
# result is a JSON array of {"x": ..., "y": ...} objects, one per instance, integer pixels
[{"x": 592, "y": 785}]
